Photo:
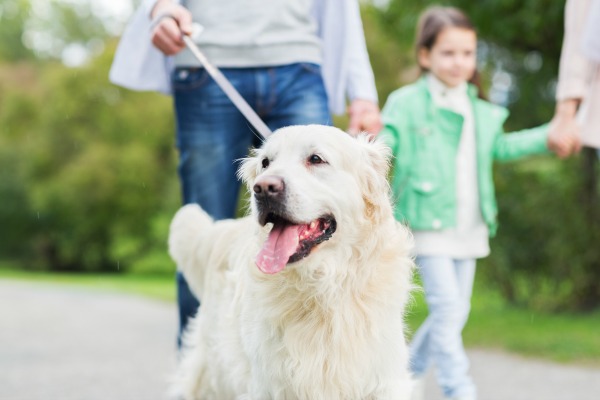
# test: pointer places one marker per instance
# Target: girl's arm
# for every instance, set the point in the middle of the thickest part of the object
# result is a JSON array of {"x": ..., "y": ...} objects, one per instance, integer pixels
[{"x": 515, "y": 145}]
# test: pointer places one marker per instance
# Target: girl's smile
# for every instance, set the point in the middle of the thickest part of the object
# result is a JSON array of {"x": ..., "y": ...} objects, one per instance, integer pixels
[{"x": 453, "y": 56}]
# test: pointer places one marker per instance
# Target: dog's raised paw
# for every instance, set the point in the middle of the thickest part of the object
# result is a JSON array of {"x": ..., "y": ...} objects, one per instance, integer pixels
[{"x": 187, "y": 225}]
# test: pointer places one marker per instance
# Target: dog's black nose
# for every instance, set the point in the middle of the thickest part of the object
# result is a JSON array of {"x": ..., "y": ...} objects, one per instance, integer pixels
[{"x": 270, "y": 186}]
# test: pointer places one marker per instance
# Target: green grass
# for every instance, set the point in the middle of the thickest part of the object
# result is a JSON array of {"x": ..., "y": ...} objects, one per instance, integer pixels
[
  {"x": 572, "y": 338},
  {"x": 157, "y": 286},
  {"x": 562, "y": 337}
]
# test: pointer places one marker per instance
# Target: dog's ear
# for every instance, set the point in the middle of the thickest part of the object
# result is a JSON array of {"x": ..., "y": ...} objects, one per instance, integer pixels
[
  {"x": 374, "y": 178},
  {"x": 248, "y": 170},
  {"x": 378, "y": 153}
]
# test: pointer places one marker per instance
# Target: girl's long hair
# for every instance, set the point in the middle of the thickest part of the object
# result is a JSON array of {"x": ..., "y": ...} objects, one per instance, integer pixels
[{"x": 432, "y": 22}]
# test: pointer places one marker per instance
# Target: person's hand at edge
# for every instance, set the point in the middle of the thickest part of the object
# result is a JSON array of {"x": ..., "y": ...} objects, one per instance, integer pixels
[
  {"x": 170, "y": 21},
  {"x": 364, "y": 116},
  {"x": 563, "y": 137}
]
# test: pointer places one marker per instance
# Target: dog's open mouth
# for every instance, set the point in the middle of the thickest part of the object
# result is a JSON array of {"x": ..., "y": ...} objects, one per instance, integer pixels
[{"x": 289, "y": 242}]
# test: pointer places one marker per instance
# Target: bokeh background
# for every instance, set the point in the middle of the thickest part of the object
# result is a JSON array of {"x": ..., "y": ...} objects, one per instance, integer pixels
[{"x": 88, "y": 180}]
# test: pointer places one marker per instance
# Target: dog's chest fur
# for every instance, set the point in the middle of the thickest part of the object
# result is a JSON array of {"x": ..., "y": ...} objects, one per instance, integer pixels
[{"x": 314, "y": 340}]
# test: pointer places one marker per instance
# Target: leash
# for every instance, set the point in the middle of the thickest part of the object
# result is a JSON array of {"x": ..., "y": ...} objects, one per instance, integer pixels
[{"x": 233, "y": 95}]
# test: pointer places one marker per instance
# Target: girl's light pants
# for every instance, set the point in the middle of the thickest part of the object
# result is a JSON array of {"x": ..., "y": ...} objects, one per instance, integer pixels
[{"x": 448, "y": 285}]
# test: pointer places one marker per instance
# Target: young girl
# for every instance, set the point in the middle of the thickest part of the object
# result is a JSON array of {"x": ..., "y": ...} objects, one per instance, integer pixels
[{"x": 444, "y": 139}]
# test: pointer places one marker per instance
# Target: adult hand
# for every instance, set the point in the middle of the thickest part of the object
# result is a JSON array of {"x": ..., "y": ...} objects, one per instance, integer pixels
[
  {"x": 563, "y": 137},
  {"x": 170, "y": 22},
  {"x": 364, "y": 116}
]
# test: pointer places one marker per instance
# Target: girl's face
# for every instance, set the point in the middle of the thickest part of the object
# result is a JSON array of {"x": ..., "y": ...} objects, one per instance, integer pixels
[{"x": 452, "y": 58}]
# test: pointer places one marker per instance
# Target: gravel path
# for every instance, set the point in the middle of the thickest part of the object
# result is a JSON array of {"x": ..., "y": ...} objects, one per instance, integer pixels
[{"x": 67, "y": 343}]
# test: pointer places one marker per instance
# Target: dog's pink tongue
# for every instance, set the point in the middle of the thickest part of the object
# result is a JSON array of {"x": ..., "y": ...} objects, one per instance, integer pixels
[{"x": 279, "y": 246}]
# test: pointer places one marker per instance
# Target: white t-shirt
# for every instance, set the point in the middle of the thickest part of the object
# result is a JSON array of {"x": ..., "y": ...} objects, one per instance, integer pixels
[{"x": 470, "y": 237}]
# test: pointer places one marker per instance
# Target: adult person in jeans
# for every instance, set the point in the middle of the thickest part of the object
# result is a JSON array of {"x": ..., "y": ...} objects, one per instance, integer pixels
[
  {"x": 576, "y": 120},
  {"x": 294, "y": 61}
]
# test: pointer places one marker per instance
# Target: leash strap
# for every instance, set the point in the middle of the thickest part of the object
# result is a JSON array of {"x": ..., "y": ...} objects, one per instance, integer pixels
[{"x": 235, "y": 97}]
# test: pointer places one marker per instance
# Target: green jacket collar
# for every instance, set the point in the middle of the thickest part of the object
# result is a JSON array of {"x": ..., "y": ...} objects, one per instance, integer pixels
[{"x": 472, "y": 90}]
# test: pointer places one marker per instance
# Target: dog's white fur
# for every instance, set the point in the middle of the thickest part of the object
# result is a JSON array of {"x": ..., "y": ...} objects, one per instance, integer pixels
[{"x": 329, "y": 326}]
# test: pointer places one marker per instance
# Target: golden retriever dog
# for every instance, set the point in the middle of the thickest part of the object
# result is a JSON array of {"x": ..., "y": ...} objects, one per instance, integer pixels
[{"x": 304, "y": 298}]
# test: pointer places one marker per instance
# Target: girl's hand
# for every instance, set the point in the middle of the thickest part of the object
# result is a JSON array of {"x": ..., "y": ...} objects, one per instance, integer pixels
[{"x": 170, "y": 21}]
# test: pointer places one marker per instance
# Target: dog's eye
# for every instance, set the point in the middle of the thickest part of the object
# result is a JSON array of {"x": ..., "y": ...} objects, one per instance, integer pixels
[
  {"x": 265, "y": 162},
  {"x": 315, "y": 159}
]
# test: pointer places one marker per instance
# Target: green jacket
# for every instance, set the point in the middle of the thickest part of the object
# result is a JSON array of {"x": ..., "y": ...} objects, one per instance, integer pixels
[{"x": 424, "y": 140}]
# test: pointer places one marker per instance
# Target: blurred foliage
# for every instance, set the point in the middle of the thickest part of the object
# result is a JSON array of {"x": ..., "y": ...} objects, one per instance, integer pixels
[
  {"x": 13, "y": 15},
  {"x": 546, "y": 255},
  {"x": 88, "y": 170},
  {"x": 54, "y": 27}
]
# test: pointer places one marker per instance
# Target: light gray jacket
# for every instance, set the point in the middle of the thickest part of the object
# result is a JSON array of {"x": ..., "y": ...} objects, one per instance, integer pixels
[
  {"x": 579, "y": 75},
  {"x": 346, "y": 68}
]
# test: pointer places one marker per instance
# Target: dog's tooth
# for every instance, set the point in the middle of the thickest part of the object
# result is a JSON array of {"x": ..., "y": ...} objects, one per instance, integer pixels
[{"x": 313, "y": 224}]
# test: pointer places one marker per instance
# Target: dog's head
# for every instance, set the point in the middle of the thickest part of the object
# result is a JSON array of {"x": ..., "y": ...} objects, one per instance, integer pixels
[{"x": 318, "y": 187}]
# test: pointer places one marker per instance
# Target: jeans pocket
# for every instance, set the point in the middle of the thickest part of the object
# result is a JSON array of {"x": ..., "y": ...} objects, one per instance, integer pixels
[
  {"x": 189, "y": 78},
  {"x": 311, "y": 67}
]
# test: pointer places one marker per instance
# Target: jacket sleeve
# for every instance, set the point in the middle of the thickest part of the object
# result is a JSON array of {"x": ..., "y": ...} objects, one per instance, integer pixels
[
  {"x": 360, "y": 79},
  {"x": 574, "y": 68},
  {"x": 513, "y": 146},
  {"x": 137, "y": 64},
  {"x": 346, "y": 68},
  {"x": 591, "y": 35}
]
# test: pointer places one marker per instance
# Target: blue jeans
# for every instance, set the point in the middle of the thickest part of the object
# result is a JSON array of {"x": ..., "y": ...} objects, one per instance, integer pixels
[
  {"x": 212, "y": 135},
  {"x": 448, "y": 284}
]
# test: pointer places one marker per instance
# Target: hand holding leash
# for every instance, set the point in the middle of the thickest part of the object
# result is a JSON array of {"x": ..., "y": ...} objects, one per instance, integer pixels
[
  {"x": 169, "y": 22},
  {"x": 172, "y": 30}
]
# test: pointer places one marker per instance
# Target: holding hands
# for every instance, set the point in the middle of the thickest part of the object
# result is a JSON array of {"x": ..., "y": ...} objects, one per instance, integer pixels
[{"x": 563, "y": 138}]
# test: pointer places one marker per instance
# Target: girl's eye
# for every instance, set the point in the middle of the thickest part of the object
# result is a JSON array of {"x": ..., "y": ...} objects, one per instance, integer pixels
[
  {"x": 265, "y": 162},
  {"x": 315, "y": 159}
]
